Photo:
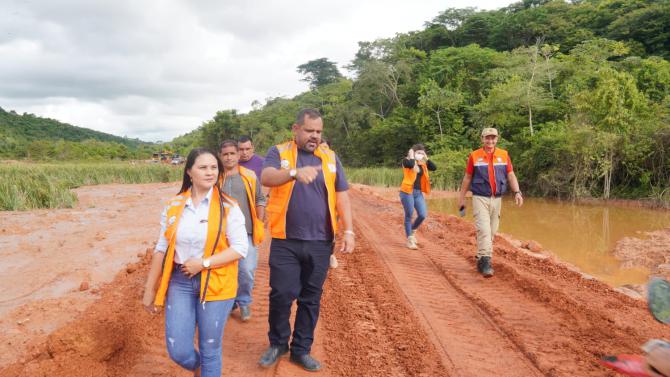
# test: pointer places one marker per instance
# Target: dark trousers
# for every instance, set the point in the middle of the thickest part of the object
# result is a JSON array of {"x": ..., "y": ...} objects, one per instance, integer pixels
[{"x": 298, "y": 270}]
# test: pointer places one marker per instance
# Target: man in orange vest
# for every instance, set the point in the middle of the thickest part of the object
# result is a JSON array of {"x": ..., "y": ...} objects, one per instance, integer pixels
[
  {"x": 488, "y": 173},
  {"x": 308, "y": 190},
  {"x": 242, "y": 184}
]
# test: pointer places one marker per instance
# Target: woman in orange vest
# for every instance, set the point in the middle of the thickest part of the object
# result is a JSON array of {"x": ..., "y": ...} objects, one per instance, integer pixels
[
  {"x": 194, "y": 266},
  {"x": 415, "y": 183}
]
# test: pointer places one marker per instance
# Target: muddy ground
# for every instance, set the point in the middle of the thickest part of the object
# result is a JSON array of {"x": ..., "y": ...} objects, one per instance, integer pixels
[
  {"x": 72, "y": 282},
  {"x": 652, "y": 251}
]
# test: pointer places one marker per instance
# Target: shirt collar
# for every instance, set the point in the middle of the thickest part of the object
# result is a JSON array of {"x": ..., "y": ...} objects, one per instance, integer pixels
[{"x": 208, "y": 197}]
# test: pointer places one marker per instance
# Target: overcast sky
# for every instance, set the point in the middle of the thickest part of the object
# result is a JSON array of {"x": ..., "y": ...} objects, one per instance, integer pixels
[{"x": 156, "y": 69}]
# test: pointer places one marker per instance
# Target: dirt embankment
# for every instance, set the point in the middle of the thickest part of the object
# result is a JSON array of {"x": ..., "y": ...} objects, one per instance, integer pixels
[{"x": 386, "y": 310}]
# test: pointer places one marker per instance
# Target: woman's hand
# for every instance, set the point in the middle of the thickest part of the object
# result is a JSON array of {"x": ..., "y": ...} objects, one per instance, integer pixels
[
  {"x": 148, "y": 301},
  {"x": 410, "y": 154},
  {"x": 192, "y": 267}
]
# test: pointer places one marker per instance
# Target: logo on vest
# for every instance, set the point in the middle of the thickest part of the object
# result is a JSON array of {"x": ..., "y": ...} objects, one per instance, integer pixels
[
  {"x": 332, "y": 168},
  {"x": 285, "y": 164},
  {"x": 480, "y": 159},
  {"x": 499, "y": 159}
]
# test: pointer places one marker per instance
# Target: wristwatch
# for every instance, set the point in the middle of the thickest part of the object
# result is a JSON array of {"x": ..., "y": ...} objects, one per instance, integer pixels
[
  {"x": 518, "y": 192},
  {"x": 206, "y": 263},
  {"x": 292, "y": 173}
]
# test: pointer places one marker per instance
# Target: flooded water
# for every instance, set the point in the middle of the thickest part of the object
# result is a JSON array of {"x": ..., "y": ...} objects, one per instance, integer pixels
[{"x": 581, "y": 234}]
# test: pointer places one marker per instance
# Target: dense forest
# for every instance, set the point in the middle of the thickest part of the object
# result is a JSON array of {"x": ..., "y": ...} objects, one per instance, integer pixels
[
  {"x": 32, "y": 137},
  {"x": 579, "y": 90}
]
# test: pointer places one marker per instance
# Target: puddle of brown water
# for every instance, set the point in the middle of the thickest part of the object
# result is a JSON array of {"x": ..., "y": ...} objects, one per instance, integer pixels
[{"x": 581, "y": 234}]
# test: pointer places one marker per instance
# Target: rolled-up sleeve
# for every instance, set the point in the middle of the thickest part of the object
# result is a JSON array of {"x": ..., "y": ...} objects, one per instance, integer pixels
[
  {"x": 236, "y": 232},
  {"x": 162, "y": 244},
  {"x": 261, "y": 200}
]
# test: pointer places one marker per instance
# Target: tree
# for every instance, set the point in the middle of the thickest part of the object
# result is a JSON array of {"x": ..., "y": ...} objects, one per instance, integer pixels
[
  {"x": 319, "y": 72},
  {"x": 377, "y": 87},
  {"x": 438, "y": 101},
  {"x": 225, "y": 125}
]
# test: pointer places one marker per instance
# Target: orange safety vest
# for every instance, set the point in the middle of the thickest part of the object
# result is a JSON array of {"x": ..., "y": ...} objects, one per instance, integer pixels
[
  {"x": 250, "y": 181},
  {"x": 409, "y": 176},
  {"x": 481, "y": 183},
  {"x": 280, "y": 195},
  {"x": 220, "y": 282}
]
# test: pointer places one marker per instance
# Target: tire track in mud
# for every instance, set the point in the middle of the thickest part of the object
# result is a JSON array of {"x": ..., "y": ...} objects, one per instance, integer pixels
[
  {"x": 564, "y": 322},
  {"x": 470, "y": 341},
  {"x": 370, "y": 328},
  {"x": 558, "y": 320}
]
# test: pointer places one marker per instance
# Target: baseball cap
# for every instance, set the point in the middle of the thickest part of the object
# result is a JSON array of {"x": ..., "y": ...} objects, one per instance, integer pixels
[{"x": 489, "y": 131}]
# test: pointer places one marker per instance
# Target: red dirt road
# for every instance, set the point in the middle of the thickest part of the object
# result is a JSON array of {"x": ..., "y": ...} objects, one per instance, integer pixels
[{"x": 387, "y": 310}]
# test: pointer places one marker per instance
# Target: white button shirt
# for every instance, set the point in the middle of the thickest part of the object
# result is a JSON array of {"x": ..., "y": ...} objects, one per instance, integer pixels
[{"x": 192, "y": 230}]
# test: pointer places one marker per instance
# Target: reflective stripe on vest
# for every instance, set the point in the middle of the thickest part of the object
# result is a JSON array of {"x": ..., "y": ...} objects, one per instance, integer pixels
[
  {"x": 221, "y": 282},
  {"x": 409, "y": 176},
  {"x": 280, "y": 195},
  {"x": 480, "y": 184}
]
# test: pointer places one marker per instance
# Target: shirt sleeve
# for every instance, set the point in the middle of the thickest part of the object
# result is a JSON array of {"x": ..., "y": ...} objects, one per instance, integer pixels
[
  {"x": 408, "y": 163},
  {"x": 431, "y": 165},
  {"x": 236, "y": 232},
  {"x": 341, "y": 183},
  {"x": 272, "y": 158},
  {"x": 162, "y": 244},
  {"x": 470, "y": 167},
  {"x": 261, "y": 200},
  {"x": 509, "y": 165}
]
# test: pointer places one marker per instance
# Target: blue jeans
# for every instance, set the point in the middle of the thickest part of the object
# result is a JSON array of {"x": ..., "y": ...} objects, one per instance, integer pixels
[
  {"x": 246, "y": 269},
  {"x": 409, "y": 203},
  {"x": 183, "y": 312}
]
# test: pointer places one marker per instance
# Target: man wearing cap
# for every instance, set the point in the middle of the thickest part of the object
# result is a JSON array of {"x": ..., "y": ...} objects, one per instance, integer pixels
[{"x": 487, "y": 174}]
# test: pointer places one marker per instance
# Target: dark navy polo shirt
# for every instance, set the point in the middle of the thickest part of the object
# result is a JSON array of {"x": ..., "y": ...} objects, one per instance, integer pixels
[{"x": 307, "y": 217}]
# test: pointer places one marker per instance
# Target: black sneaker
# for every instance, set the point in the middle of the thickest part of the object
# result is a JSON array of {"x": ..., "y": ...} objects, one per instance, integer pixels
[
  {"x": 308, "y": 363},
  {"x": 272, "y": 354},
  {"x": 484, "y": 266}
]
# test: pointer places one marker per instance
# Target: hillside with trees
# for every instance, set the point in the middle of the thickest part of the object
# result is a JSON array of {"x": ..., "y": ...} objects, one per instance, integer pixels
[
  {"x": 579, "y": 90},
  {"x": 32, "y": 137}
]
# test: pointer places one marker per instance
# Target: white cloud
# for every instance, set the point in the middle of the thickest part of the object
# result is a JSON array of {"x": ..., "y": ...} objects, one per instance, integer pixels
[{"x": 157, "y": 68}]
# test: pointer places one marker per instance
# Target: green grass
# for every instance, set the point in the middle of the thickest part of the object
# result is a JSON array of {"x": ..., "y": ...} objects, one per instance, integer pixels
[
  {"x": 25, "y": 186},
  {"x": 384, "y": 177},
  {"x": 392, "y": 177}
]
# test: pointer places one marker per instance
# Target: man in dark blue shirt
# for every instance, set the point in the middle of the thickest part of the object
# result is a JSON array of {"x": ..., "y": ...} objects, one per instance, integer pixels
[{"x": 309, "y": 191}]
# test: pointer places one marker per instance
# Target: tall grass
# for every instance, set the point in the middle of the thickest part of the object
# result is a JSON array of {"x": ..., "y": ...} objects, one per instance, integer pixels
[
  {"x": 448, "y": 176},
  {"x": 26, "y": 186},
  {"x": 381, "y": 176},
  {"x": 392, "y": 177}
]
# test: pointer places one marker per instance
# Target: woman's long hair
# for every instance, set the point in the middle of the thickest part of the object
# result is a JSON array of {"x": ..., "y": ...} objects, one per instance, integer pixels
[{"x": 190, "y": 161}]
